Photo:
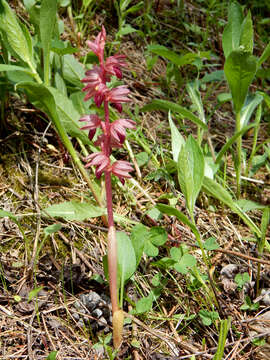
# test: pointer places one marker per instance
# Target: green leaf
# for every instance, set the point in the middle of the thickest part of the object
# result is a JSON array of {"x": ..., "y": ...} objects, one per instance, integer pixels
[
  {"x": 8, "y": 214},
  {"x": 241, "y": 279},
  {"x": 252, "y": 102},
  {"x": 52, "y": 355},
  {"x": 47, "y": 20},
  {"x": 232, "y": 140},
  {"x": 33, "y": 293},
  {"x": 51, "y": 229},
  {"x": 73, "y": 210},
  {"x": 248, "y": 205},
  {"x": 169, "y": 210},
  {"x": 173, "y": 57},
  {"x": 246, "y": 37},
  {"x": 13, "y": 33},
  {"x": 126, "y": 257},
  {"x": 265, "y": 55},
  {"x": 211, "y": 244},
  {"x": 144, "y": 304},
  {"x": 187, "y": 261},
  {"x": 125, "y": 30},
  {"x": 240, "y": 68},
  {"x": 73, "y": 71},
  {"x": 6, "y": 67},
  {"x": 216, "y": 190},
  {"x": 217, "y": 75},
  {"x": 68, "y": 115},
  {"x": 195, "y": 96},
  {"x": 232, "y": 31},
  {"x": 190, "y": 172},
  {"x": 157, "y": 236},
  {"x": 138, "y": 237},
  {"x": 208, "y": 317},
  {"x": 177, "y": 139},
  {"x": 168, "y": 105}
]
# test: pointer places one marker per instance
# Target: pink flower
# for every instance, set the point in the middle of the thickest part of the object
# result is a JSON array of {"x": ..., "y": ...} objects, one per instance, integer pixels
[
  {"x": 121, "y": 169},
  {"x": 92, "y": 123},
  {"x": 94, "y": 78},
  {"x": 100, "y": 160},
  {"x": 118, "y": 95},
  {"x": 118, "y": 129},
  {"x": 98, "y": 45},
  {"x": 100, "y": 94},
  {"x": 114, "y": 64}
]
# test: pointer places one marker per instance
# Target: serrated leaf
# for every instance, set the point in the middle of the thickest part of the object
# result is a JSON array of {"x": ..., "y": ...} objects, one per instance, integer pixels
[
  {"x": 240, "y": 68},
  {"x": 157, "y": 236},
  {"x": 144, "y": 304},
  {"x": 248, "y": 205},
  {"x": 168, "y": 105},
  {"x": 73, "y": 210}
]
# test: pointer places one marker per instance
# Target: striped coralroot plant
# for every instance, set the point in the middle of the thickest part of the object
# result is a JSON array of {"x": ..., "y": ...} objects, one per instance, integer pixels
[{"x": 112, "y": 136}]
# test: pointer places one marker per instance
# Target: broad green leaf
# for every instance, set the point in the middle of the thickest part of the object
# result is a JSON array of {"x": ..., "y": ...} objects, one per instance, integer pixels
[
  {"x": 47, "y": 20},
  {"x": 246, "y": 37},
  {"x": 51, "y": 229},
  {"x": 190, "y": 172},
  {"x": 74, "y": 210},
  {"x": 125, "y": 30},
  {"x": 157, "y": 236},
  {"x": 232, "y": 140},
  {"x": 60, "y": 83},
  {"x": 232, "y": 31},
  {"x": 252, "y": 102},
  {"x": 13, "y": 33},
  {"x": 217, "y": 75},
  {"x": 169, "y": 210},
  {"x": 6, "y": 67},
  {"x": 248, "y": 205},
  {"x": 73, "y": 71},
  {"x": 265, "y": 55},
  {"x": 240, "y": 68},
  {"x": 195, "y": 96},
  {"x": 187, "y": 261},
  {"x": 216, "y": 190},
  {"x": 138, "y": 237},
  {"x": 126, "y": 257},
  {"x": 211, "y": 244},
  {"x": 144, "y": 304},
  {"x": 168, "y": 105},
  {"x": 177, "y": 139},
  {"x": 68, "y": 115}
]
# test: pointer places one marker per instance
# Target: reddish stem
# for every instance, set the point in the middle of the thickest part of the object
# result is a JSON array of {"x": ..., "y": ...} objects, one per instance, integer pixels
[{"x": 112, "y": 244}]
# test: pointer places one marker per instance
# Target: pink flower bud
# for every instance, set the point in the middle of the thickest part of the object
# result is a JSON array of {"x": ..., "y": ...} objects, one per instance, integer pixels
[{"x": 121, "y": 169}]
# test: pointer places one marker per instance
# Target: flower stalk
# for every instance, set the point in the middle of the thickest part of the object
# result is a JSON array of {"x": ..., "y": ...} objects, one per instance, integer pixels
[{"x": 112, "y": 135}]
